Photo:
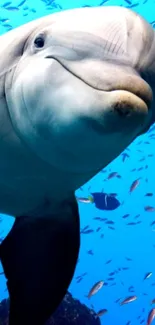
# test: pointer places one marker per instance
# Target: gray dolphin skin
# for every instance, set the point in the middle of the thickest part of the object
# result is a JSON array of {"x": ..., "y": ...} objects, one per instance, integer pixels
[{"x": 76, "y": 88}]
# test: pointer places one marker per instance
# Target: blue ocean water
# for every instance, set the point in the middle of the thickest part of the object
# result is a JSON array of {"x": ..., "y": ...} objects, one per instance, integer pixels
[{"x": 120, "y": 252}]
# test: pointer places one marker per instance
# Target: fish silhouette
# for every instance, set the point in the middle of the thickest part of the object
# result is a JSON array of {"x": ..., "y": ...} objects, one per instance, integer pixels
[{"x": 105, "y": 201}]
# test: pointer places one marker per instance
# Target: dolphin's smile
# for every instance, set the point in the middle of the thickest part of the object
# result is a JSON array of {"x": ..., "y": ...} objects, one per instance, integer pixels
[{"x": 132, "y": 84}]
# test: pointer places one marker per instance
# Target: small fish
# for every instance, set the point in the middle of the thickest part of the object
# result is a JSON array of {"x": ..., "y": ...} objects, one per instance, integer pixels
[
  {"x": 134, "y": 185},
  {"x": 117, "y": 300},
  {"x": 6, "y": 4},
  {"x": 149, "y": 208},
  {"x": 104, "y": 201},
  {"x": 96, "y": 287},
  {"x": 109, "y": 261},
  {"x": 147, "y": 275},
  {"x": 86, "y": 227},
  {"x": 85, "y": 273},
  {"x": 140, "y": 168},
  {"x": 78, "y": 277},
  {"x": 125, "y": 155},
  {"x": 129, "y": 2},
  {"x": 79, "y": 280},
  {"x": 151, "y": 316},
  {"x": 112, "y": 175},
  {"x": 110, "y": 222},
  {"x": 97, "y": 218},
  {"x": 84, "y": 199},
  {"x": 126, "y": 216},
  {"x": 89, "y": 231},
  {"x": 90, "y": 252},
  {"x": 128, "y": 259},
  {"x": 12, "y": 8},
  {"x": 21, "y": 3},
  {"x": 131, "y": 223},
  {"x": 142, "y": 159},
  {"x": 137, "y": 216},
  {"x": 153, "y": 301},
  {"x": 7, "y": 26},
  {"x": 34, "y": 10},
  {"x": 102, "y": 2},
  {"x": 4, "y": 20},
  {"x": 128, "y": 300},
  {"x": 98, "y": 229},
  {"x": 149, "y": 194},
  {"x": 86, "y": 6},
  {"x": 131, "y": 287},
  {"x": 101, "y": 312}
]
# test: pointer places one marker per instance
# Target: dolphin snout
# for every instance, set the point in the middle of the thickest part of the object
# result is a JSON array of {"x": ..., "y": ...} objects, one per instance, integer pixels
[
  {"x": 121, "y": 110},
  {"x": 127, "y": 104}
]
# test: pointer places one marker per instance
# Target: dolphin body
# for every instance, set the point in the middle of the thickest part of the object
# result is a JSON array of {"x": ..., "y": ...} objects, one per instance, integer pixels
[{"x": 76, "y": 88}]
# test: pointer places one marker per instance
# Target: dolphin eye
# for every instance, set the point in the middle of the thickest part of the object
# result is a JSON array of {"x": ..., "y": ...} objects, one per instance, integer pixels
[{"x": 39, "y": 42}]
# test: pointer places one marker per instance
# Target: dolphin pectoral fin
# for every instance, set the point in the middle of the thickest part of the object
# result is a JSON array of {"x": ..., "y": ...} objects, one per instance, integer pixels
[{"x": 39, "y": 258}]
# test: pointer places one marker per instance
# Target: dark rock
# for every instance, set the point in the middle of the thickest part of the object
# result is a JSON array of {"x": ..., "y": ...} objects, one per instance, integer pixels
[{"x": 70, "y": 312}]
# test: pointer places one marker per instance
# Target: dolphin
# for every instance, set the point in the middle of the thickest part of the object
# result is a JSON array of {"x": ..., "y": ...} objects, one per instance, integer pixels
[{"x": 76, "y": 88}]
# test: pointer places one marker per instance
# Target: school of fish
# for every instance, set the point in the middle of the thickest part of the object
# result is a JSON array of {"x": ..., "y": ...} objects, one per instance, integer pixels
[{"x": 86, "y": 196}]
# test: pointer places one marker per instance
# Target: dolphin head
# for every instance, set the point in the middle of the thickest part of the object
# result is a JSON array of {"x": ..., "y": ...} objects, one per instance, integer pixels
[{"x": 78, "y": 89}]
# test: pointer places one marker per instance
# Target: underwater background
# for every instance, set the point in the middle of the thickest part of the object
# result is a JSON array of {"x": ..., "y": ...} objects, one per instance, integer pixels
[{"x": 117, "y": 206}]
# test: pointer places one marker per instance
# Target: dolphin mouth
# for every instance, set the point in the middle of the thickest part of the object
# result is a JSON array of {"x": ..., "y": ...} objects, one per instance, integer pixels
[{"x": 132, "y": 84}]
